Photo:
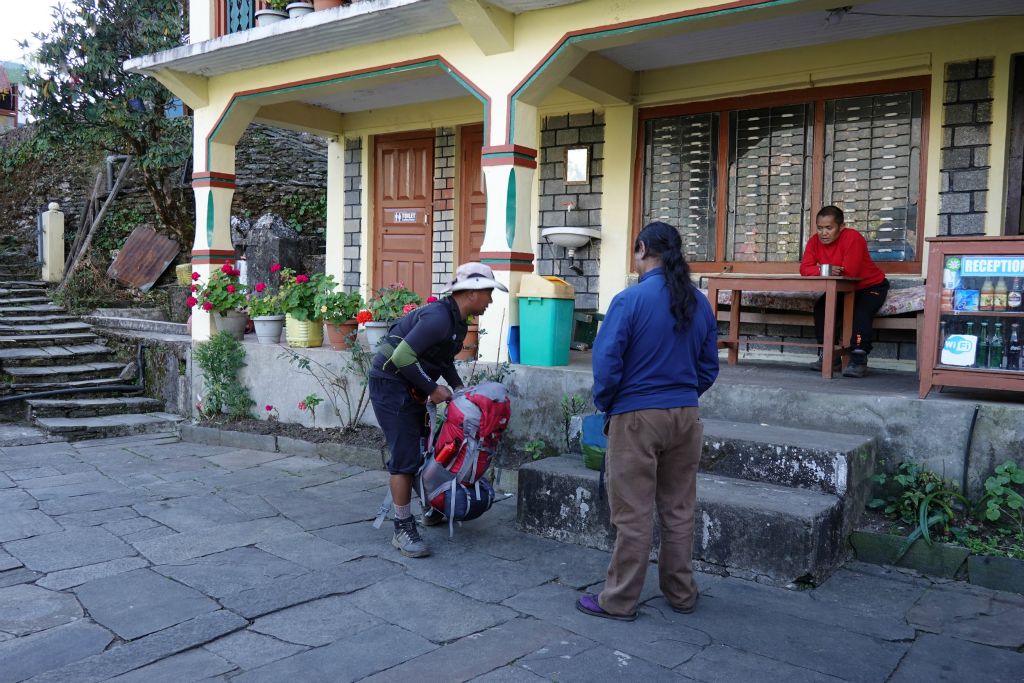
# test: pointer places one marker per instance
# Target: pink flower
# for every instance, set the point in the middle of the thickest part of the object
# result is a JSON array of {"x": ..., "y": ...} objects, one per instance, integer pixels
[
  {"x": 275, "y": 268},
  {"x": 431, "y": 299},
  {"x": 269, "y": 408},
  {"x": 408, "y": 307},
  {"x": 191, "y": 301},
  {"x": 207, "y": 306},
  {"x": 302, "y": 405},
  {"x": 195, "y": 288},
  {"x": 301, "y": 279},
  {"x": 195, "y": 276},
  {"x": 231, "y": 289},
  {"x": 260, "y": 286}
]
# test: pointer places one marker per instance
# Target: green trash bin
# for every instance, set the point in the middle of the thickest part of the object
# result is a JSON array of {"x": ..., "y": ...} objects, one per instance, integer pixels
[{"x": 546, "y": 305}]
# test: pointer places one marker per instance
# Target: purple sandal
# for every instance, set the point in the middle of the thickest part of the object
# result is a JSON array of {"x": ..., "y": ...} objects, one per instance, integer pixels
[{"x": 588, "y": 604}]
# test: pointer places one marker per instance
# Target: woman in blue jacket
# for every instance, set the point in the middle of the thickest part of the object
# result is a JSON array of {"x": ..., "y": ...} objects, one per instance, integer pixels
[{"x": 655, "y": 354}]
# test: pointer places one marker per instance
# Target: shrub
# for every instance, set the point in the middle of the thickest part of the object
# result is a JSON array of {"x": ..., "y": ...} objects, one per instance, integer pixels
[{"x": 221, "y": 359}]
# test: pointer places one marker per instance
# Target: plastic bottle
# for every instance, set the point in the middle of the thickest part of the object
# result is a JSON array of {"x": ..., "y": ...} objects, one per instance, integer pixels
[
  {"x": 999, "y": 295},
  {"x": 995, "y": 348},
  {"x": 986, "y": 296}
]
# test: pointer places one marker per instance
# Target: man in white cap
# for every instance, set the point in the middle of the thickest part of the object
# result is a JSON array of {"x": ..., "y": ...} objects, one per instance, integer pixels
[{"x": 419, "y": 349}]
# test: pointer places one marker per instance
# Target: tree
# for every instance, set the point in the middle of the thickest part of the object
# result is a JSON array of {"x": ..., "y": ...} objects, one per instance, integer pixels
[{"x": 81, "y": 93}]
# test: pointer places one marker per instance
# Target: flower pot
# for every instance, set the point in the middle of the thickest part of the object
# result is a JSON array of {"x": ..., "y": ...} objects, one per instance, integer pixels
[
  {"x": 266, "y": 17},
  {"x": 268, "y": 328},
  {"x": 184, "y": 274},
  {"x": 232, "y": 322},
  {"x": 340, "y": 335},
  {"x": 375, "y": 331},
  {"x": 327, "y": 4},
  {"x": 303, "y": 334},
  {"x": 299, "y": 9},
  {"x": 471, "y": 345}
]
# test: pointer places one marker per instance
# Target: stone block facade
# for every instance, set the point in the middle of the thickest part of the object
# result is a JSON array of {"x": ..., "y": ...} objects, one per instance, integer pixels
[
  {"x": 444, "y": 207},
  {"x": 555, "y": 199},
  {"x": 966, "y": 124},
  {"x": 353, "y": 209}
]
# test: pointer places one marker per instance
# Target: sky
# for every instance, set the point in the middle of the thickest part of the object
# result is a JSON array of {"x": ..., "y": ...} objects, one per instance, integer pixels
[{"x": 22, "y": 18}]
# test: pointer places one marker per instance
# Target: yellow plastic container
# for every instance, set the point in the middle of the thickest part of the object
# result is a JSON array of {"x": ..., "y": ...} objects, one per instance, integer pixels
[
  {"x": 546, "y": 305},
  {"x": 303, "y": 334}
]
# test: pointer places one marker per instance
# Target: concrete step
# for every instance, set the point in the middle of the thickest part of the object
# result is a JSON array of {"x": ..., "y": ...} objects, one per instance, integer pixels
[
  {"x": 802, "y": 458},
  {"x": 34, "y": 329},
  {"x": 135, "y": 324},
  {"x": 107, "y": 426},
  {"x": 752, "y": 529},
  {"x": 60, "y": 374},
  {"x": 30, "y": 340},
  {"x": 49, "y": 355},
  {"x": 90, "y": 407}
]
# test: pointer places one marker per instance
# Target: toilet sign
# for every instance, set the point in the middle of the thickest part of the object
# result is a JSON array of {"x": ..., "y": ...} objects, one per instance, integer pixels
[{"x": 406, "y": 217}]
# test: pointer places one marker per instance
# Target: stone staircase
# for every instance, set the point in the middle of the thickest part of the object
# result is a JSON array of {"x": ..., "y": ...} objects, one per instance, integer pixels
[
  {"x": 43, "y": 348},
  {"x": 773, "y": 503}
]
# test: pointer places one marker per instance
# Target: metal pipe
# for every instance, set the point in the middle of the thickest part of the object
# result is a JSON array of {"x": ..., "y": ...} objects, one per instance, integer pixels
[{"x": 967, "y": 449}]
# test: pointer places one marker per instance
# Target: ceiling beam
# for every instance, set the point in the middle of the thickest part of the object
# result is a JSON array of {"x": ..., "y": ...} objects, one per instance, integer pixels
[
  {"x": 490, "y": 27},
  {"x": 191, "y": 89},
  {"x": 301, "y": 117},
  {"x": 601, "y": 80}
]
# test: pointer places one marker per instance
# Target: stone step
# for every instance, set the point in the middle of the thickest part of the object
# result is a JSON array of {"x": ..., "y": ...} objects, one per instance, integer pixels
[
  {"x": 802, "y": 458},
  {"x": 30, "y": 329},
  {"x": 37, "y": 319},
  {"x": 94, "y": 388},
  {"x": 18, "y": 272},
  {"x": 91, "y": 407},
  {"x": 22, "y": 286},
  {"x": 29, "y": 340},
  {"x": 107, "y": 426},
  {"x": 136, "y": 324},
  {"x": 49, "y": 355},
  {"x": 33, "y": 308},
  {"x": 23, "y": 298},
  {"x": 752, "y": 529},
  {"x": 59, "y": 374}
]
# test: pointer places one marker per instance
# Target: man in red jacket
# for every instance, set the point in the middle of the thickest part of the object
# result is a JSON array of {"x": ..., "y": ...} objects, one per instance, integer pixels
[{"x": 846, "y": 251}]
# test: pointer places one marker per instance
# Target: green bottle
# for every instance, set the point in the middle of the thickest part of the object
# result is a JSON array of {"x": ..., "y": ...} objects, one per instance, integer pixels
[
  {"x": 981, "y": 357},
  {"x": 995, "y": 348}
]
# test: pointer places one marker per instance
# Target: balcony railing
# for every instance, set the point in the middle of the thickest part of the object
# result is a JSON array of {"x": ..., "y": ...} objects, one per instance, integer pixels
[{"x": 240, "y": 15}]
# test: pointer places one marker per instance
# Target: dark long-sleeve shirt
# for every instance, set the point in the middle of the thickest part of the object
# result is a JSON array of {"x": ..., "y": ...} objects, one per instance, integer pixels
[
  {"x": 641, "y": 361},
  {"x": 433, "y": 335},
  {"x": 849, "y": 251}
]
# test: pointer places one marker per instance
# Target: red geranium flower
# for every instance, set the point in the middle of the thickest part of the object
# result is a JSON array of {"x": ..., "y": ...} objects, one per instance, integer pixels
[
  {"x": 431, "y": 299},
  {"x": 235, "y": 273},
  {"x": 364, "y": 316},
  {"x": 207, "y": 306},
  {"x": 301, "y": 279},
  {"x": 195, "y": 276},
  {"x": 191, "y": 301},
  {"x": 302, "y": 405},
  {"x": 260, "y": 286},
  {"x": 226, "y": 268},
  {"x": 269, "y": 407},
  {"x": 231, "y": 289},
  {"x": 408, "y": 307},
  {"x": 195, "y": 288},
  {"x": 275, "y": 268}
]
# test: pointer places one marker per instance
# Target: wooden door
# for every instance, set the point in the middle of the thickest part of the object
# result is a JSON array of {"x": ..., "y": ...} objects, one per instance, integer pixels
[
  {"x": 403, "y": 214},
  {"x": 472, "y": 196}
]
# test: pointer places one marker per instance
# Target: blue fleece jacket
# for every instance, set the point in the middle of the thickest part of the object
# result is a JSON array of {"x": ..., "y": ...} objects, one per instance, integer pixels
[{"x": 642, "y": 362}]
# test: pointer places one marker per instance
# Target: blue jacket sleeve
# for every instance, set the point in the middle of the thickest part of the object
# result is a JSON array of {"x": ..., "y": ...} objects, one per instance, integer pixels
[
  {"x": 609, "y": 350},
  {"x": 707, "y": 362}
]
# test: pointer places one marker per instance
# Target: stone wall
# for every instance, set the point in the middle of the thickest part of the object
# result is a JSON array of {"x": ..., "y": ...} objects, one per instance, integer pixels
[
  {"x": 966, "y": 139},
  {"x": 557, "y": 134},
  {"x": 353, "y": 212},
  {"x": 444, "y": 207}
]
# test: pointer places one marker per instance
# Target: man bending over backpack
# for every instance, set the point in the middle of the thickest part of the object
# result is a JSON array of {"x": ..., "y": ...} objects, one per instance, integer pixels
[{"x": 419, "y": 349}]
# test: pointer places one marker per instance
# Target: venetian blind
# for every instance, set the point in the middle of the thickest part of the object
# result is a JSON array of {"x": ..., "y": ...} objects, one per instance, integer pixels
[
  {"x": 769, "y": 191},
  {"x": 872, "y": 166},
  {"x": 680, "y": 179}
]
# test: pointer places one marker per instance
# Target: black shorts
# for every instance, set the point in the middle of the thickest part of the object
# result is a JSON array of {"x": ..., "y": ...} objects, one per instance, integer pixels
[{"x": 403, "y": 420}]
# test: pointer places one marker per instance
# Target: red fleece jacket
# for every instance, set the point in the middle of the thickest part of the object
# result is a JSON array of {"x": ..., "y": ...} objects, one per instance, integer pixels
[{"x": 849, "y": 251}]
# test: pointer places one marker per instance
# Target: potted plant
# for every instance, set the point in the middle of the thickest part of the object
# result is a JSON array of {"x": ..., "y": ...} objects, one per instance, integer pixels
[
  {"x": 390, "y": 304},
  {"x": 471, "y": 344},
  {"x": 327, "y": 4},
  {"x": 223, "y": 296},
  {"x": 273, "y": 13},
  {"x": 300, "y": 302},
  {"x": 265, "y": 312},
  {"x": 339, "y": 311},
  {"x": 299, "y": 9}
]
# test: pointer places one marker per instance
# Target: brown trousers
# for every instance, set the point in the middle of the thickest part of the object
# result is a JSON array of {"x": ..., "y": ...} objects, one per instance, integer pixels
[{"x": 652, "y": 458}]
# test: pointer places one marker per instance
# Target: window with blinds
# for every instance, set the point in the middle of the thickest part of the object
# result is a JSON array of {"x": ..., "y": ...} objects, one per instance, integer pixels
[
  {"x": 869, "y": 163},
  {"x": 680, "y": 179},
  {"x": 871, "y": 169}
]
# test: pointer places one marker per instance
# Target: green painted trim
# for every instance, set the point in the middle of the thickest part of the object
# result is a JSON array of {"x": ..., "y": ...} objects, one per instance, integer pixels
[
  {"x": 209, "y": 218},
  {"x": 506, "y": 260},
  {"x": 513, "y": 99},
  {"x": 499, "y": 155},
  {"x": 510, "y": 208}
]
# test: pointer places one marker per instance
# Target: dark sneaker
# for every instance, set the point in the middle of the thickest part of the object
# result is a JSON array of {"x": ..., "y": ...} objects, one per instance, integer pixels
[
  {"x": 407, "y": 538},
  {"x": 432, "y": 518},
  {"x": 588, "y": 604},
  {"x": 858, "y": 366},
  {"x": 816, "y": 364}
]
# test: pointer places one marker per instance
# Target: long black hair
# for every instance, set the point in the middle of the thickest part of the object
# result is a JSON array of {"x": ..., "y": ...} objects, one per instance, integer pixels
[{"x": 662, "y": 240}]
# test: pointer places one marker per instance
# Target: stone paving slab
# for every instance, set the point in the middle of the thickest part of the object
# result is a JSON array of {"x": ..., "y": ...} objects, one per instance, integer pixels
[
  {"x": 187, "y": 545},
  {"x": 724, "y": 664},
  {"x": 69, "y": 549},
  {"x": 50, "y": 649},
  {"x": 249, "y": 650},
  {"x": 194, "y": 665},
  {"x": 309, "y": 551},
  {"x": 316, "y": 623},
  {"x": 69, "y": 578},
  {"x": 971, "y": 613},
  {"x": 940, "y": 659},
  {"x": 17, "y": 524},
  {"x": 232, "y": 571},
  {"x": 28, "y": 609}
]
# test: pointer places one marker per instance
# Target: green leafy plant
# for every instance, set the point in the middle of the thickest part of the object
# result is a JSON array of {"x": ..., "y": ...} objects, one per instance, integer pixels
[
  {"x": 277, "y": 4},
  {"x": 393, "y": 301},
  {"x": 117, "y": 226},
  {"x": 339, "y": 307},
  {"x": 572, "y": 404},
  {"x": 1003, "y": 503},
  {"x": 301, "y": 295},
  {"x": 221, "y": 359},
  {"x": 309, "y": 405},
  {"x": 535, "y": 448},
  {"x": 301, "y": 211},
  {"x": 221, "y": 293},
  {"x": 345, "y": 388},
  {"x": 259, "y": 303}
]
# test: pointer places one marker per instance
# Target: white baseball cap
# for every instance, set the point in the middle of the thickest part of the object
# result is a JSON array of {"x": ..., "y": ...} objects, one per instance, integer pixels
[{"x": 474, "y": 275}]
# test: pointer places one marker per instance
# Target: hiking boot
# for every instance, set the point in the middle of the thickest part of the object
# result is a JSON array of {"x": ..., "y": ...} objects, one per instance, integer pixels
[
  {"x": 858, "y": 366},
  {"x": 816, "y": 364},
  {"x": 407, "y": 538},
  {"x": 432, "y": 518}
]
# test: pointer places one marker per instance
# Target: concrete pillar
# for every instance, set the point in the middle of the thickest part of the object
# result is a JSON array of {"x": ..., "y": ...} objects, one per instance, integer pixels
[
  {"x": 509, "y": 243},
  {"x": 214, "y": 190},
  {"x": 201, "y": 18},
  {"x": 334, "y": 263},
  {"x": 617, "y": 205},
  {"x": 53, "y": 243}
]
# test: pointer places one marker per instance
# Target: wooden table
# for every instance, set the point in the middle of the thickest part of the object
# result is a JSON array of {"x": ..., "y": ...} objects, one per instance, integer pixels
[{"x": 831, "y": 287}]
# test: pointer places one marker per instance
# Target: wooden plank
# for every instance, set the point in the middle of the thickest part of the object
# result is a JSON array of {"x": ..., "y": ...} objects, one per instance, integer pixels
[{"x": 143, "y": 258}]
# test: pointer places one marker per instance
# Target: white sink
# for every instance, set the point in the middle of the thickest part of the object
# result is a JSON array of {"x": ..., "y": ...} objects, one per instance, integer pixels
[{"x": 570, "y": 238}]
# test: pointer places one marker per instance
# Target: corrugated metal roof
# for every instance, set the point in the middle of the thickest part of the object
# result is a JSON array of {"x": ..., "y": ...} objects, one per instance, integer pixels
[{"x": 143, "y": 258}]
